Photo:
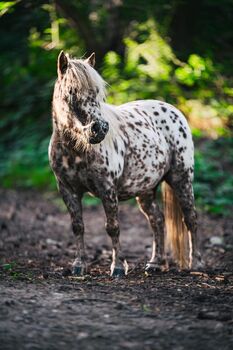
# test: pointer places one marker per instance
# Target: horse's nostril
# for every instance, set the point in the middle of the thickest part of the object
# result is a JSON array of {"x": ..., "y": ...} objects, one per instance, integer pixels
[
  {"x": 105, "y": 127},
  {"x": 99, "y": 128},
  {"x": 95, "y": 128}
]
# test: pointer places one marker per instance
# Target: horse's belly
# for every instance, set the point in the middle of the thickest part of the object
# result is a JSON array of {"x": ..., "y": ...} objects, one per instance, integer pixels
[
  {"x": 138, "y": 180},
  {"x": 133, "y": 189}
]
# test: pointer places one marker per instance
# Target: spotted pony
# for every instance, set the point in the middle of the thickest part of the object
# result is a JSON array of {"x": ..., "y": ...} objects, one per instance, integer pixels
[{"x": 120, "y": 152}]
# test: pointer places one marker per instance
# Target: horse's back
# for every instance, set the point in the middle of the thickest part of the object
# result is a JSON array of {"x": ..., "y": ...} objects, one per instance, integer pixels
[{"x": 165, "y": 121}]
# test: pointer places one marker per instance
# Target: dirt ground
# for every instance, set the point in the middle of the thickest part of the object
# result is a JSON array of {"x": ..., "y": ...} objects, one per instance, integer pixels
[{"x": 43, "y": 307}]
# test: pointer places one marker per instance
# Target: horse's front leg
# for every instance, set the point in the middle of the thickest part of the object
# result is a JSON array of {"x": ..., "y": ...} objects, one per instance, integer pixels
[
  {"x": 74, "y": 206},
  {"x": 110, "y": 203}
]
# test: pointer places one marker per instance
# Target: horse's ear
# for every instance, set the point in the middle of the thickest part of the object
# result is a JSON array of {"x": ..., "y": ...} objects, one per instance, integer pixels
[
  {"x": 91, "y": 59},
  {"x": 62, "y": 63}
]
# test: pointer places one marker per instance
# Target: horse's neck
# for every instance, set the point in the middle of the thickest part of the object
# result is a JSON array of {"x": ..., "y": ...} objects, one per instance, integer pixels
[
  {"x": 113, "y": 141},
  {"x": 113, "y": 117}
]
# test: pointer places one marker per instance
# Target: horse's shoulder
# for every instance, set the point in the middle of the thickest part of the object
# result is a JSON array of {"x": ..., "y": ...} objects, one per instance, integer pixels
[
  {"x": 57, "y": 152},
  {"x": 54, "y": 146}
]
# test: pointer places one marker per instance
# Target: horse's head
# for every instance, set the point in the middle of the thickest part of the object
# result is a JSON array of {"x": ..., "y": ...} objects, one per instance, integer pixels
[{"x": 78, "y": 93}]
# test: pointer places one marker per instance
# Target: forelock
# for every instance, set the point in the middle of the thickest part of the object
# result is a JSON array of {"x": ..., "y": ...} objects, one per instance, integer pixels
[{"x": 84, "y": 78}]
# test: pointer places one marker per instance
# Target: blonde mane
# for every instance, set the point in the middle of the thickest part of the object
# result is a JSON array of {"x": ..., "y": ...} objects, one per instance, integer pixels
[{"x": 86, "y": 79}]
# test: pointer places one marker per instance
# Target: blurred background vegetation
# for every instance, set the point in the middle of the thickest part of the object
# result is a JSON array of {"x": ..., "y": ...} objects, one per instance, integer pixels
[{"x": 179, "y": 51}]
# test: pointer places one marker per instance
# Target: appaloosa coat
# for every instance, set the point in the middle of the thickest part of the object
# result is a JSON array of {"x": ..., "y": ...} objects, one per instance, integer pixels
[{"x": 120, "y": 152}]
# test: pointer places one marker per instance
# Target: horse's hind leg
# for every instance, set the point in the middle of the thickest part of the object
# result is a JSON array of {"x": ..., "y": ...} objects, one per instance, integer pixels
[
  {"x": 182, "y": 186},
  {"x": 151, "y": 210}
]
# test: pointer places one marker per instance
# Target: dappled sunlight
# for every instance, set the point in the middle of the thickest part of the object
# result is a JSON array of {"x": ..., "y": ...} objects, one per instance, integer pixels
[
  {"x": 202, "y": 117},
  {"x": 154, "y": 51},
  {"x": 152, "y": 71}
]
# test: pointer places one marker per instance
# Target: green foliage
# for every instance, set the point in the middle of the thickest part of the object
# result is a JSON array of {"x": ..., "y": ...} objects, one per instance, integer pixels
[
  {"x": 91, "y": 201},
  {"x": 28, "y": 165},
  {"x": 197, "y": 70},
  {"x": 13, "y": 272},
  {"x": 213, "y": 185},
  {"x": 145, "y": 70},
  {"x": 27, "y": 85},
  {"x": 150, "y": 69},
  {"x": 6, "y": 6},
  {"x": 9, "y": 266}
]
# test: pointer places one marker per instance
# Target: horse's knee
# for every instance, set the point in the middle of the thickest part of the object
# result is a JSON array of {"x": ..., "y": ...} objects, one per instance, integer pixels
[
  {"x": 156, "y": 218},
  {"x": 78, "y": 228},
  {"x": 190, "y": 218},
  {"x": 112, "y": 229}
]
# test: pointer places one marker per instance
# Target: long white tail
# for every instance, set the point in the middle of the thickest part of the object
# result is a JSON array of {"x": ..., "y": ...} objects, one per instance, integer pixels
[{"x": 178, "y": 241}]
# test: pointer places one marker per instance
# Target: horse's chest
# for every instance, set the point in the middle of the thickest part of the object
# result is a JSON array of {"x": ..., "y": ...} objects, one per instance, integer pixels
[
  {"x": 66, "y": 166},
  {"x": 76, "y": 171}
]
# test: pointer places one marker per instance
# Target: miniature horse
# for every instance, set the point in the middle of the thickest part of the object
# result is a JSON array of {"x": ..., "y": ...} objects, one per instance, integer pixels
[{"x": 120, "y": 152}]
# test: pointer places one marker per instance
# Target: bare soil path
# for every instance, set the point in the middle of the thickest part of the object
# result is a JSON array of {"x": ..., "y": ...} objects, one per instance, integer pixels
[{"x": 43, "y": 307}]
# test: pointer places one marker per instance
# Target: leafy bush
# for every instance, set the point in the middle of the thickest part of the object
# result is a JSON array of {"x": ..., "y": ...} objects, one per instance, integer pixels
[
  {"x": 150, "y": 70},
  {"x": 213, "y": 185},
  {"x": 197, "y": 70}
]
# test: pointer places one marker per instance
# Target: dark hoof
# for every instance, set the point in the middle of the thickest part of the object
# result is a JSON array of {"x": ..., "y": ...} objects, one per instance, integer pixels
[
  {"x": 118, "y": 272},
  {"x": 152, "y": 269},
  {"x": 77, "y": 271},
  {"x": 66, "y": 272},
  {"x": 155, "y": 268}
]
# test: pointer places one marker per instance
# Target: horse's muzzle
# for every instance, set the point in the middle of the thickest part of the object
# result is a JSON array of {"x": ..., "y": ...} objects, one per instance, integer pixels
[{"x": 98, "y": 131}]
